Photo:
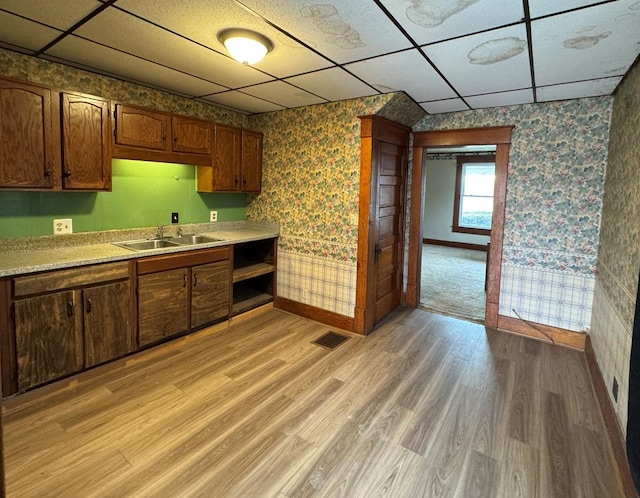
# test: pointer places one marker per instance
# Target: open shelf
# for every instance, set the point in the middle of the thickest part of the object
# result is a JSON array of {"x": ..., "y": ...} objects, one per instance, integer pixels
[
  {"x": 245, "y": 270},
  {"x": 245, "y": 299},
  {"x": 254, "y": 274}
]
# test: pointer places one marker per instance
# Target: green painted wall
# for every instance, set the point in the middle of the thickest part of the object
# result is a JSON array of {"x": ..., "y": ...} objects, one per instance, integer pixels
[{"x": 144, "y": 194}]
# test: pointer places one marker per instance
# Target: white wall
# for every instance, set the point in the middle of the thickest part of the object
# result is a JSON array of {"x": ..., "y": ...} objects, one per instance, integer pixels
[{"x": 438, "y": 208}]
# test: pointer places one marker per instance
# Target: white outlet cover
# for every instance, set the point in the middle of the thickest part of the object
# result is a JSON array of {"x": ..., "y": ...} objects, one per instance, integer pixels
[
  {"x": 62, "y": 226},
  {"x": 213, "y": 215}
]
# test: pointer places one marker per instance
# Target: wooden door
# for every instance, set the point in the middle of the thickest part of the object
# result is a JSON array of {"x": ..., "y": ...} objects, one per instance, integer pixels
[
  {"x": 163, "y": 299},
  {"x": 210, "y": 288},
  {"x": 107, "y": 322},
  {"x": 251, "y": 161},
  {"x": 143, "y": 128},
  {"x": 27, "y": 158},
  {"x": 191, "y": 135},
  {"x": 48, "y": 338},
  {"x": 389, "y": 228},
  {"x": 227, "y": 157},
  {"x": 86, "y": 143}
]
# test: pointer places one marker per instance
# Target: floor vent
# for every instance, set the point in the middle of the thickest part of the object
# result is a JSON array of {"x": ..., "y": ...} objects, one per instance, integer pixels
[{"x": 331, "y": 340}]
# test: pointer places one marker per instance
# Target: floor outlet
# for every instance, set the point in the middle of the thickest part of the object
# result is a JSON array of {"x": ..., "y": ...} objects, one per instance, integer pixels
[
  {"x": 213, "y": 215},
  {"x": 62, "y": 226}
]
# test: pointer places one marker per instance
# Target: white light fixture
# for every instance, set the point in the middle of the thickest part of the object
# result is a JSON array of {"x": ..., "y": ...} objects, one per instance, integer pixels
[{"x": 244, "y": 45}]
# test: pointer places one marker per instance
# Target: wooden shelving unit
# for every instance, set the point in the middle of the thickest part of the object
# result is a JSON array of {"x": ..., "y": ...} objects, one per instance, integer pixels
[{"x": 254, "y": 275}]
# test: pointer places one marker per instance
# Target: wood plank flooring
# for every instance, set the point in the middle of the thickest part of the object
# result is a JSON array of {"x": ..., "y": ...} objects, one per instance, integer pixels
[{"x": 426, "y": 406}]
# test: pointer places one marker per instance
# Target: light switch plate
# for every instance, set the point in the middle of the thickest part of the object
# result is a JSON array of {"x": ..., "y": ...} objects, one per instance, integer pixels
[{"x": 62, "y": 226}]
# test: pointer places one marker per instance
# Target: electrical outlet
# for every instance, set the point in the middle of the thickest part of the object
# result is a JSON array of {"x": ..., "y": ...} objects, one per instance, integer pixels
[
  {"x": 62, "y": 226},
  {"x": 614, "y": 390},
  {"x": 174, "y": 217},
  {"x": 306, "y": 294},
  {"x": 213, "y": 215}
]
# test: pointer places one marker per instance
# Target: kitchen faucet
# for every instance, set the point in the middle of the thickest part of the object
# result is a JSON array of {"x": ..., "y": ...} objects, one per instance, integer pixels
[{"x": 160, "y": 232}]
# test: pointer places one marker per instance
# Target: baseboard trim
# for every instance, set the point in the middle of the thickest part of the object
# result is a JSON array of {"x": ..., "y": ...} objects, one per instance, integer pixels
[
  {"x": 562, "y": 337},
  {"x": 459, "y": 245},
  {"x": 610, "y": 420},
  {"x": 317, "y": 314}
]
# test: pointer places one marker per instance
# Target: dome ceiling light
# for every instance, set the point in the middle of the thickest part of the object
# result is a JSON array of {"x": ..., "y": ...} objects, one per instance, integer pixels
[{"x": 244, "y": 45}]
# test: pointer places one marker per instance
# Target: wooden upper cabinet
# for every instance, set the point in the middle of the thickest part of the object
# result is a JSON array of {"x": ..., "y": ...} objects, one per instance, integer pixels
[
  {"x": 138, "y": 127},
  {"x": 192, "y": 136},
  {"x": 251, "y": 161},
  {"x": 28, "y": 159},
  {"x": 227, "y": 159},
  {"x": 86, "y": 143}
]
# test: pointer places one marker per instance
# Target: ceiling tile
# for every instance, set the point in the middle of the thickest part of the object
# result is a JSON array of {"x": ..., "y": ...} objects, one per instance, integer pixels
[
  {"x": 597, "y": 42},
  {"x": 539, "y": 8},
  {"x": 284, "y": 94},
  {"x": 485, "y": 63},
  {"x": 333, "y": 84},
  {"x": 113, "y": 28},
  {"x": 440, "y": 106},
  {"x": 592, "y": 88},
  {"x": 201, "y": 21},
  {"x": 26, "y": 34},
  {"x": 515, "y": 97},
  {"x": 239, "y": 100},
  {"x": 343, "y": 30},
  {"x": 405, "y": 71},
  {"x": 429, "y": 21},
  {"x": 93, "y": 55},
  {"x": 61, "y": 14}
]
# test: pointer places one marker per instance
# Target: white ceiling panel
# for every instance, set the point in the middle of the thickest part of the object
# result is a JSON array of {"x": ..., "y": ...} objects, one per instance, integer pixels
[
  {"x": 598, "y": 42},
  {"x": 97, "y": 56},
  {"x": 202, "y": 20},
  {"x": 343, "y": 30},
  {"x": 429, "y": 21},
  {"x": 284, "y": 94},
  {"x": 539, "y": 8},
  {"x": 332, "y": 84},
  {"x": 501, "y": 99},
  {"x": 61, "y": 14},
  {"x": 440, "y": 106},
  {"x": 111, "y": 28},
  {"x": 408, "y": 71},
  {"x": 239, "y": 100},
  {"x": 23, "y": 33},
  {"x": 485, "y": 63},
  {"x": 592, "y": 88}
]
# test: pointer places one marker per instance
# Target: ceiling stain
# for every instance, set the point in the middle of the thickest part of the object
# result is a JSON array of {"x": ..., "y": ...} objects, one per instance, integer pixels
[
  {"x": 328, "y": 20},
  {"x": 498, "y": 50},
  {"x": 635, "y": 6},
  {"x": 383, "y": 88},
  {"x": 584, "y": 42},
  {"x": 432, "y": 13}
]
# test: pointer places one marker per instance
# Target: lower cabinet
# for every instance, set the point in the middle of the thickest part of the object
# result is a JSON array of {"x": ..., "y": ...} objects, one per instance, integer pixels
[{"x": 181, "y": 292}]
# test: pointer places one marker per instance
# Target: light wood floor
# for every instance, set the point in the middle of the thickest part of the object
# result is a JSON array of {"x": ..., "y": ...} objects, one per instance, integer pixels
[{"x": 426, "y": 406}]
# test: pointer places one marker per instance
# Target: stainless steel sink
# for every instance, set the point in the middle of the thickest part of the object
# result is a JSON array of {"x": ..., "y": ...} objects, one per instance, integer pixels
[
  {"x": 191, "y": 239},
  {"x": 145, "y": 245}
]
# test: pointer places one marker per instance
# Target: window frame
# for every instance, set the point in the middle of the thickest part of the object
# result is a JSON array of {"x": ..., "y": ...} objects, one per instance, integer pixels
[{"x": 460, "y": 162}]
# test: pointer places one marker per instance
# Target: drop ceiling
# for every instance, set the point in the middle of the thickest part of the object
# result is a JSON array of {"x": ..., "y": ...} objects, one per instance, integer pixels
[{"x": 447, "y": 55}]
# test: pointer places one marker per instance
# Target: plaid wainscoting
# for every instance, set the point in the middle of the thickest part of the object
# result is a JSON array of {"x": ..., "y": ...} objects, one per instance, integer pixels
[
  {"x": 558, "y": 299},
  {"x": 319, "y": 282}
]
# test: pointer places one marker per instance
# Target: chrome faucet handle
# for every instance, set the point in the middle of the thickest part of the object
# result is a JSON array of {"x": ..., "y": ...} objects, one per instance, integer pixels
[
  {"x": 160, "y": 232},
  {"x": 179, "y": 231}
]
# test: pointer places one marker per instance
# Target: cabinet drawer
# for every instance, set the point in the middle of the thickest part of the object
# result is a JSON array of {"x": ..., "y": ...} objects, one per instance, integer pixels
[
  {"x": 180, "y": 260},
  {"x": 40, "y": 283}
]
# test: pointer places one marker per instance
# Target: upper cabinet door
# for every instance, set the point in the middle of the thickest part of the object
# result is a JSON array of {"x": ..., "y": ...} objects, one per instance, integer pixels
[
  {"x": 143, "y": 128},
  {"x": 191, "y": 135},
  {"x": 251, "y": 161},
  {"x": 86, "y": 145},
  {"x": 27, "y": 159},
  {"x": 227, "y": 159}
]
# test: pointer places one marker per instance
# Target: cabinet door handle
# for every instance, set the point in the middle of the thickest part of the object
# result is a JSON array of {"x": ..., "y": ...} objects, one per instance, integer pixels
[
  {"x": 184, "y": 280},
  {"x": 67, "y": 172},
  {"x": 69, "y": 308},
  {"x": 164, "y": 137},
  {"x": 195, "y": 279},
  {"x": 88, "y": 305},
  {"x": 175, "y": 140},
  {"x": 235, "y": 180},
  {"x": 48, "y": 173}
]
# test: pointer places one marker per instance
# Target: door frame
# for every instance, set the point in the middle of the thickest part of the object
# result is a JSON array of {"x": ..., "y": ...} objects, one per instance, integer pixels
[
  {"x": 499, "y": 136},
  {"x": 373, "y": 129}
]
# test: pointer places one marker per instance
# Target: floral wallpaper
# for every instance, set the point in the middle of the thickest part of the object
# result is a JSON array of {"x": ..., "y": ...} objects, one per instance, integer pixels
[
  {"x": 40, "y": 71},
  {"x": 311, "y": 175},
  {"x": 557, "y": 165}
]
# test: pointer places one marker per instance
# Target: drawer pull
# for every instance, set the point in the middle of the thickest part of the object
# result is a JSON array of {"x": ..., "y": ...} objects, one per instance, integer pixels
[
  {"x": 89, "y": 305},
  {"x": 69, "y": 308}
]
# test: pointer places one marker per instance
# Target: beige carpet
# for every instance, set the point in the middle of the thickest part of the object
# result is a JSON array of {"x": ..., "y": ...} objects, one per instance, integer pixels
[{"x": 452, "y": 282}]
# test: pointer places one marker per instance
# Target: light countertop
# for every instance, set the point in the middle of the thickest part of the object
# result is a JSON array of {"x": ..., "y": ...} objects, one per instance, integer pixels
[{"x": 34, "y": 254}]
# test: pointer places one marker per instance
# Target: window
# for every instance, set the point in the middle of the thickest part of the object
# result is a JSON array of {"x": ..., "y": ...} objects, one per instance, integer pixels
[{"x": 473, "y": 203}]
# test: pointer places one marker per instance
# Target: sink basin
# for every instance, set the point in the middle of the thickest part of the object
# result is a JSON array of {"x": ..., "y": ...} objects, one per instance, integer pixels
[
  {"x": 191, "y": 239},
  {"x": 145, "y": 245}
]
